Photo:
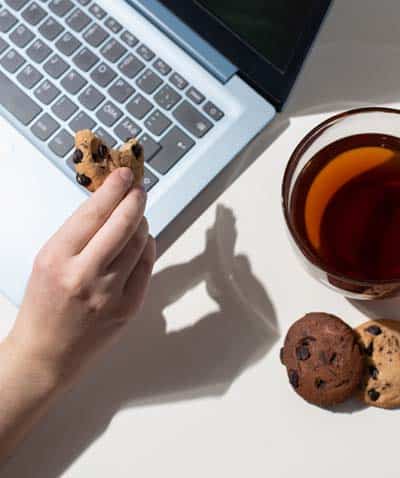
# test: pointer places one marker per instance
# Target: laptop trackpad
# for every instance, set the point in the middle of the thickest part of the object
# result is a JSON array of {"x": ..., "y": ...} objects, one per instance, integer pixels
[{"x": 36, "y": 199}]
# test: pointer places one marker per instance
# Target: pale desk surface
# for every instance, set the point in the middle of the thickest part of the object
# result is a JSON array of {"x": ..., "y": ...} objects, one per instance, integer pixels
[{"x": 196, "y": 388}]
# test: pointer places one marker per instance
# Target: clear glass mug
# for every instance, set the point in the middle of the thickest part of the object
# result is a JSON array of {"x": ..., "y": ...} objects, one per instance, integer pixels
[{"x": 384, "y": 121}]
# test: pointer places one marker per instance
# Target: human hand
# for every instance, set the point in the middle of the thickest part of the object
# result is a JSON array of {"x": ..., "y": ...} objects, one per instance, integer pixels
[{"x": 87, "y": 281}]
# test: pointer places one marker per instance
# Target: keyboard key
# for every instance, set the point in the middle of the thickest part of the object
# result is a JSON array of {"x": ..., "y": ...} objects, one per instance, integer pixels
[
  {"x": 38, "y": 51},
  {"x": 81, "y": 121},
  {"x": 29, "y": 76},
  {"x": 213, "y": 112},
  {"x": 83, "y": 2},
  {"x": 12, "y": 61},
  {"x": 68, "y": 44},
  {"x": 73, "y": 82},
  {"x": 127, "y": 129},
  {"x": 61, "y": 7},
  {"x": 78, "y": 20},
  {"x": 3, "y": 45},
  {"x": 44, "y": 127},
  {"x": 112, "y": 24},
  {"x": 109, "y": 114},
  {"x": 50, "y": 29},
  {"x": 64, "y": 108},
  {"x": 7, "y": 21},
  {"x": 178, "y": 81},
  {"x": 21, "y": 36},
  {"x": 113, "y": 51},
  {"x": 16, "y": 102},
  {"x": 103, "y": 75},
  {"x": 62, "y": 143},
  {"x": 56, "y": 66},
  {"x": 91, "y": 98},
  {"x": 34, "y": 14},
  {"x": 46, "y": 92},
  {"x": 97, "y": 11},
  {"x": 17, "y": 4},
  {"x": 131, "y": 66},
  {"x": 192, "y": 120},
  {"x": 150, "y": 147},
  {"x": 129, "y": 39},
  {"x": 195, "y": 96},
  {"x": 174, "y": 146},
  {"x": 139, "y": 106},
  {"x": 107, "y": 138},
  {"x": 157, "y": 123},
  {"x": 149, "y": 82},
  {"x": 85, "y": 59},
  {"x": 145, "y": 52},
  {"x": 149, "y": 180},
  {"x": 121, "y": 90},
  {"x": 162, "y": 67},
  {"x": 167, "y": 97},
  {"x": 96, "y": 35}
]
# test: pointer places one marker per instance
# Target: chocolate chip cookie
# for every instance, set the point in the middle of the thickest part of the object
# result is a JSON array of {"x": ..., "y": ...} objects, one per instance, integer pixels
[
  {"x": 94, "y": 160},
  {"x": 323, "y": 359},
  {"x": 380, "y": 341}
]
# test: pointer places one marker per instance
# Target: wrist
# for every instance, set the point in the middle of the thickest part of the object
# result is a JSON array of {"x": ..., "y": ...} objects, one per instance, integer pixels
[{"x": 26, "y": 364}]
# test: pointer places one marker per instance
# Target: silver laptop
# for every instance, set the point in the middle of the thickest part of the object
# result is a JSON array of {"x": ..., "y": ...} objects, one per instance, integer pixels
[{"x": 195, "y": 80}]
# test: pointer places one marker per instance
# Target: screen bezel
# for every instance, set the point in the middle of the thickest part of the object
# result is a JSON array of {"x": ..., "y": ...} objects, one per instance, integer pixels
[{"x": 261, "y": 74}]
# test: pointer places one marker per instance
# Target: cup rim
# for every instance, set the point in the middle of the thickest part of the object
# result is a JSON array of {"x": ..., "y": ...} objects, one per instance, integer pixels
[{"x": 294, "y": 159}]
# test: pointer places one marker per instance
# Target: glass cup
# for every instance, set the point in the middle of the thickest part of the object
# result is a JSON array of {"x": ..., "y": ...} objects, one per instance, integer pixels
[{"x": 383, "y": 121}]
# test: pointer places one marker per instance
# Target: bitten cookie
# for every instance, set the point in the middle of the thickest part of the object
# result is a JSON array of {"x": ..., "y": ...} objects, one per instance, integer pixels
[
  {"x": 380, "y": 340},
  {"x": 323, "y": 359},
  {"x": 94, "y": 160}
]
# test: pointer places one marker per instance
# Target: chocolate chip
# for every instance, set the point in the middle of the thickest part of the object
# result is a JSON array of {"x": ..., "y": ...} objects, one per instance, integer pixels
[
  {"x": 374, "y": 330},
  {"x": 333, "y": 357},
  {"x": 96, "y": 158},
  {"x": 369, "y": 350},
  {"x": 373, "y": 371},
  {"x": 77, "y": 156},
  {"x": 102, "y": 151},
  {"x": 137, "y": 150},
  {"x": 83, "y": 180},
  {"x": 281, "y": 355},
  {"x": 323, "y": 358},
  {"x": 302, "y": 353},
  {"x": 373, "y": 394},
  {"x": 319, "y": 383},
  {"x": 294, "y": 378}
]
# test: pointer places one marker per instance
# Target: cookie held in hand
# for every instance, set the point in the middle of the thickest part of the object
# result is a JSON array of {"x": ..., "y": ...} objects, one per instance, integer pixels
[
  {"x": 323, "y": 359},
  {"x": 380, "y": 341},
  {"x": 94, "y": 160}
]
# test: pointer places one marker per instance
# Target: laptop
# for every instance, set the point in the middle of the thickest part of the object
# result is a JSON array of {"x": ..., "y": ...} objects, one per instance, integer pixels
[{"x": 194, "y": 80}]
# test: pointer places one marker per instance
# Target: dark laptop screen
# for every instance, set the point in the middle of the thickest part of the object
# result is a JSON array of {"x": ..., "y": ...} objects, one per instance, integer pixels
[{"x": 272, "y": 27}]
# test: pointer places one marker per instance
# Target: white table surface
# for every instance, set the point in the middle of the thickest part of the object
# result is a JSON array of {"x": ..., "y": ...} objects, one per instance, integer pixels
[{"x": 196, "y": 389}]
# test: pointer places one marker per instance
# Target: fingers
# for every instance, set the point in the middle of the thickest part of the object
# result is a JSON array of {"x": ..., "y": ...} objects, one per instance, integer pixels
[
  {"x": 125, "y": 263},
  {"x": 138, "y": 282},
  {"x": 109, "y": 241},
  {"x": 75, "y": 234}
]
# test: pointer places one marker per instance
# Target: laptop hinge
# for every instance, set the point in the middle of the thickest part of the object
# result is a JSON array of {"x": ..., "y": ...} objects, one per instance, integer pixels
[{"x": 186, "y": 38}]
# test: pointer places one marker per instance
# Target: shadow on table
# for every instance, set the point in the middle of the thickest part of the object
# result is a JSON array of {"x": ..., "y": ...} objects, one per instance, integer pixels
[
  {"x": 379, "y": 309},
  {"x": 151, "y": 365}
]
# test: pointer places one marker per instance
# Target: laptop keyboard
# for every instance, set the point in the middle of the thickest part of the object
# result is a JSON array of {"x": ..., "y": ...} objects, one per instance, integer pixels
[{"x": 66, "y": 65}]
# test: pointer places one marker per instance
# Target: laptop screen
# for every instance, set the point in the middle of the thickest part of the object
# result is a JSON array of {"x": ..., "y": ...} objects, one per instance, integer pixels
[{"x": 272, "y": 27}]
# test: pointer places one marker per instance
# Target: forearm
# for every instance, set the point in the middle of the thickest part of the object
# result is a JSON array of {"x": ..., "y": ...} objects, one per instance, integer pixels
[{"x": 27, "y": 388}]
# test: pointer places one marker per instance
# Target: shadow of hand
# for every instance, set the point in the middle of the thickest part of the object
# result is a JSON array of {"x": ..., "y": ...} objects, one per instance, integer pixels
[{"x": 152, "y": 366}]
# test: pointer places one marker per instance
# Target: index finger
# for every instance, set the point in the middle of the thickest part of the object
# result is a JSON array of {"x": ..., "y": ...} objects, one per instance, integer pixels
[{"x": 93, "y": 214}]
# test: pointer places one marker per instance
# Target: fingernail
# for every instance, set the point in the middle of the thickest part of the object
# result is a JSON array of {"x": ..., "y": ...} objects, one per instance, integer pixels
[{"x": 126, "y": 174}]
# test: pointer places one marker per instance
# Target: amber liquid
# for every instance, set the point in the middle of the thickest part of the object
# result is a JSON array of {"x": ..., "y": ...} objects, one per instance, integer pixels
[{"x": 346, "y": 207}]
